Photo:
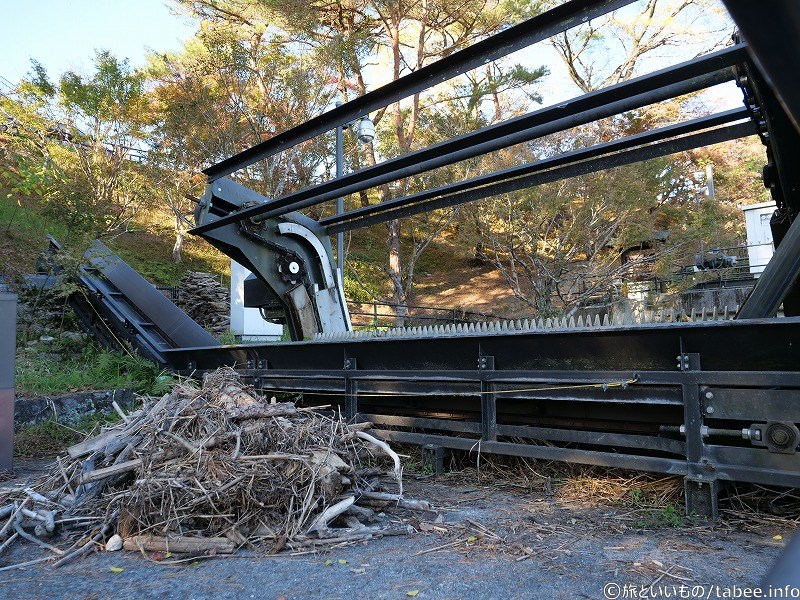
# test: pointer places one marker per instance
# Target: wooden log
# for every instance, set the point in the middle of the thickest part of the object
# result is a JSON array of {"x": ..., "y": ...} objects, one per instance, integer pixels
[
  {"x": 96, "y": 443},
  {"x": 179, "y": 544},
  {"x": 330, "y": 513},
  {"x": 99, "y": 474},
  {"x": 261, "y": 411},
  {"x": 373, "y": 497}
]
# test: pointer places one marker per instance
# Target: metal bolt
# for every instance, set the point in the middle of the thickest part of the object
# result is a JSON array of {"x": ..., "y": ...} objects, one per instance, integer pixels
[
  {"x": 709, "y": 395},
  {"x": 780, "y": 437},
  {"x": 710, "y": 410}
]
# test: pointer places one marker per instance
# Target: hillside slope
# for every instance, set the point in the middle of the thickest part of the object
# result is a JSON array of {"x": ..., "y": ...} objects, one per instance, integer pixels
[{"x": 444, "y": 276}]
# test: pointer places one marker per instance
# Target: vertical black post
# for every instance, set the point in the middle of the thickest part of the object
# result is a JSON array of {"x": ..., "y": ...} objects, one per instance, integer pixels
[
  {"x": 350, "y": 390},
  {"x": 700, "y": 484},
  {"x": 8, "y": 349},
  {"x": 340, "y": 200},
  {"x": 488, "y": 401}
]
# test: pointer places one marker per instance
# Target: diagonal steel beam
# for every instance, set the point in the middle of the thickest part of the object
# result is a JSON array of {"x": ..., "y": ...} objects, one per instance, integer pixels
[
  {"x": 667, "y": 83},
  {"x": 777, "y": 278},
  {"x": 640, "y": 139},
  {"x": 555, "y": 21},
  {"x": 577, "y": 168}
]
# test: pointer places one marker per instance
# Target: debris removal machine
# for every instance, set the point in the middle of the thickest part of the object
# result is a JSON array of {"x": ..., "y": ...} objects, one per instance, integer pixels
[{"x": 712, "y": 400}]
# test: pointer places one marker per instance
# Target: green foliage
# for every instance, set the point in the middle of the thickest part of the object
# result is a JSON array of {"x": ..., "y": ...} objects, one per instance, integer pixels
[
  {"x": 227, "y": 338},
  {"x": 654, "y": 513},
  {"x": 667, "y": 517},
  {"x": 108, "y": 100},
  {"x": 94, "y": 369},
  {"x": 71, "y": 147}
]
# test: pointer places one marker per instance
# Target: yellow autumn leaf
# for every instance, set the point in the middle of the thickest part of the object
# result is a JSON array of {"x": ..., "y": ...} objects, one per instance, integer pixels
[
  {"x": 471, "y": 539},
  {"x": 329, "y": 563},
  {"x": 116, "y": 569},
  {"x": 342, "y": 561},
  {"x": 777, "y": 538},
  {"x": 412, "y": 593}
]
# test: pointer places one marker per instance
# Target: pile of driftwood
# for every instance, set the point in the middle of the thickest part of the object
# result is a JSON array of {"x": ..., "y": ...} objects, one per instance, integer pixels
[
  {"x": 209, "y": 470},
  {"x": 206, "y": 300}
]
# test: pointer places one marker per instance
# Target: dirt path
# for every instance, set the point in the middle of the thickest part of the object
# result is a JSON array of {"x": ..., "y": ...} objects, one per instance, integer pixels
[{"x": 483, "y": 541}]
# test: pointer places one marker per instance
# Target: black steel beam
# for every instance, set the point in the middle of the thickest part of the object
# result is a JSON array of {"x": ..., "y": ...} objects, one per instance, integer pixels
[
  {"x": 540, "y": 172},
  {"x": 625, "y": 143},
  {"x": 777, "y": 279},
  {"x": 767, "y": 345},
  {"x": 573, "y": 455},
  {"x": 770, "y": 27},
  {"x": 555, "y": 21},
  {"x": 335, "y": 379},
  {"x": 174, "y": 324},
  {"x": 685, "y": 78}
]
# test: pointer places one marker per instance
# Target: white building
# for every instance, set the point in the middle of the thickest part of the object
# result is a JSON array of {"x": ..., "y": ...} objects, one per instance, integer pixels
[
  {"x": 759, "y": 235},
  {"x": 246, "y": 323}
]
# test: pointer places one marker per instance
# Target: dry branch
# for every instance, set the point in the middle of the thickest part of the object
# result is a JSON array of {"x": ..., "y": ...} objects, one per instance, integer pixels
[
  {"x": 207, "y": 470},
  {"x": 179, "y": 544}
]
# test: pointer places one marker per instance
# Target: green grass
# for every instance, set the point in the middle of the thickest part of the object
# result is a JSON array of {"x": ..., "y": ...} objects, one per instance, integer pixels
[
  {"x": 662, "y": 518},
  {"x": 50, "y": 438},
  {"x": 148, "y": 249},
  {"x": 655, "y": 513},
  {"x": 93, "y": 370},
  {"x": 44, "y": 440},
  {"x": 24, "y": 220}
]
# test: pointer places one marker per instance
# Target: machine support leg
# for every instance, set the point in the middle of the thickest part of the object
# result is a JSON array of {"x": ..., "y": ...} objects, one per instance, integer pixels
[
  {"x": 350, "y": 390},
  {"x": 433, "y": 457},
  {"x": 701, "y": 484},
  {"x": 488, "y": 402},
  {"x": 702, "y": 497}
]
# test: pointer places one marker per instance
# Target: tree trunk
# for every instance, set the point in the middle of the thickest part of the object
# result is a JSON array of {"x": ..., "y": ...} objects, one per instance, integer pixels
[
  {"x": 176, "y": 249},
  {"x": 395, "y": 272}
]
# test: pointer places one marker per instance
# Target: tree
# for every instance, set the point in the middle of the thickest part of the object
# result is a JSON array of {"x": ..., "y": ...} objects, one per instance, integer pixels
[
  {"x": 400, "y": 37},
  {"x": 232, "y": 86},
  {"x": 565, "y": 244},
  {"x": 612, "y": 48},
  {"x": 78, "y": 139}
]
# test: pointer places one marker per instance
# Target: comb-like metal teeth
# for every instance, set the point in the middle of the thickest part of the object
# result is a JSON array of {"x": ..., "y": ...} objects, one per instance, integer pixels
[{"x": 622, "y": 318}]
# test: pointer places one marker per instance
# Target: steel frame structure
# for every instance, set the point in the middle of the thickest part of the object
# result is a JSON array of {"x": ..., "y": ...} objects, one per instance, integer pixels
[
  {"x": 712, "y": 401},
  {"x": 664, "y": 397}
]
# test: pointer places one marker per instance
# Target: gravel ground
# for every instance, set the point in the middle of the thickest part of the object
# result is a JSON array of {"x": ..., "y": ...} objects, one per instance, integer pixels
[{"x": 503, "y": 542}]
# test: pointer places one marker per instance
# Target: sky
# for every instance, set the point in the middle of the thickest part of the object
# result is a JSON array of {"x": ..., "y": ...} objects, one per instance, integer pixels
[{"x": 63, "y": 34}]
